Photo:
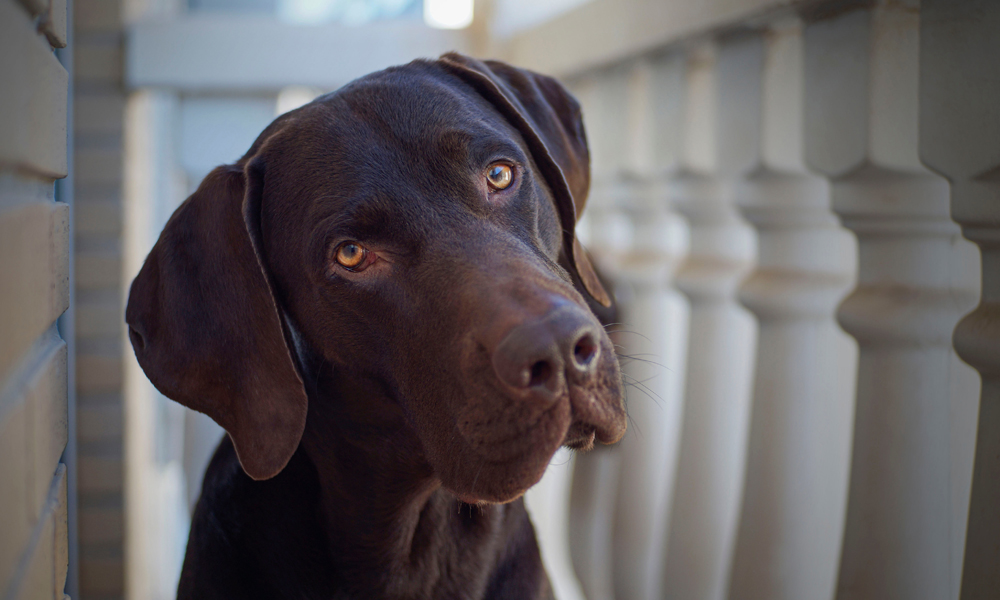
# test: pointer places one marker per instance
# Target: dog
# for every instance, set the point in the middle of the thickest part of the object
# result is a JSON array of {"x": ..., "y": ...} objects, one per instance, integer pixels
[{"x": 385, "y": 306}]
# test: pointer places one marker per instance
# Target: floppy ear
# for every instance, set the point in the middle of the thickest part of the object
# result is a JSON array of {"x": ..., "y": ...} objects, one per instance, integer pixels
[
  {"x": 206, "y": 329},
  {"x": 549, "y": 119}
]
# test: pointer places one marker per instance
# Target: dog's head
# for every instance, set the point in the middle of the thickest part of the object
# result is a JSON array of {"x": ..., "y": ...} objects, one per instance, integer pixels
[{"x": 414, "y": 229}]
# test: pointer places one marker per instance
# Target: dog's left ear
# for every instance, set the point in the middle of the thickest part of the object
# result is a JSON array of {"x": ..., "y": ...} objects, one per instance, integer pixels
[
  {"x": 549, "y": 119},
  {"x": 206, "y": 326}
]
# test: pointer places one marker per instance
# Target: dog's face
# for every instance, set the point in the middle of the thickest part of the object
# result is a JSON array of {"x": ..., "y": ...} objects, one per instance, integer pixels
[{"x": 412, "y": 231}]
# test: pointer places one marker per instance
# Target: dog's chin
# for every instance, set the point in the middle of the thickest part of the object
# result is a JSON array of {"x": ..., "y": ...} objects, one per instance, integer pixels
[
  {"x": 509, "y": 481},
  {"x": 497, "y": 471},
  {"x": 503, "y": 444},
  {"x": 500, "y": 483}
]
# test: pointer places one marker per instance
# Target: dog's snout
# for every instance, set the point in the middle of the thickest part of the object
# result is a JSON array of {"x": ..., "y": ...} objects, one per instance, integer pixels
[{"x": 541, "y": 356}]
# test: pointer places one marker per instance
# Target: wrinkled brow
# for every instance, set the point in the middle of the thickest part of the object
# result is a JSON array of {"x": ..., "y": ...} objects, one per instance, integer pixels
[
  {"x": 376, "y": 217},
  {"x": 463, "y": 146}
]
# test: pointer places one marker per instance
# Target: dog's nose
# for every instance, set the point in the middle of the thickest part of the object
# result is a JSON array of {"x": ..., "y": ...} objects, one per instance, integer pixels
[{"x": 541, "y": 355}]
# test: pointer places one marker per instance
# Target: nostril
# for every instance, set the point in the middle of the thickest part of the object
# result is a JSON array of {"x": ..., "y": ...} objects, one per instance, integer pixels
[
  {"x": 543, "y": 358},
  {"x": 584, "y": 351},
  {"x": 541, "y": 372},
  {"x": 137, "y": 340}
]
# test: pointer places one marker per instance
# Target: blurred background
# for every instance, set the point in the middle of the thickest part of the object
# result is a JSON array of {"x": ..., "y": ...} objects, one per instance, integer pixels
[{"x": 795, "y": 201}]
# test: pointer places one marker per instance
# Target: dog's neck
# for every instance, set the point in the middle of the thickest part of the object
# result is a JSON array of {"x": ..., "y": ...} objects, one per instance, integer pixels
[{"x": 386, "y": 515}]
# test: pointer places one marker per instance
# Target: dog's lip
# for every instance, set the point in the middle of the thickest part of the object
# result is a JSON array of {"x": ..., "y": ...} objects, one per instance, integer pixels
[
  {"x": 579, "y": 434},
  {"x": 580, "y": 440},
  {"x": 601, "y": 414},
  {"x": 526, "y": 433},
  {"x": 582, "y": 445}
]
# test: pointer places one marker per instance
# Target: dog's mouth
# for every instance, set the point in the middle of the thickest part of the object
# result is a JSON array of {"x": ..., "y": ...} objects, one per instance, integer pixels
[
  {"x": 507, "y": 427},
  {"x": 500, "y": 467},
  {"x": 514, "y": 434},
  {"x": 580, "y": 437}
]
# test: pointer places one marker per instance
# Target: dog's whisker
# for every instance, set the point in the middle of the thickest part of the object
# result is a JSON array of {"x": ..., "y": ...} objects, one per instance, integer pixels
[
  {"x": 645, "y": 390},
  {"x": 622, "y": 323},
  {"x": 638, "y": 358},
  {"x": 635, "y": 426},
  {"x": 646, "y": 380},
  {"x": 633, "y": 333},
  {"x": 569, "y": 457},
  {"x": 628, "y": 361},
  {"x": 639, "y": 385},
  {"x": 636, "y": 381},
  {"x": 476, "y": 478}
]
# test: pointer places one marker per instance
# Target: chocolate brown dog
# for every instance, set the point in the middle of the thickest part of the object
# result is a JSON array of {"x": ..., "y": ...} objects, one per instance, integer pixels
[{"x": 384, "y": 305}]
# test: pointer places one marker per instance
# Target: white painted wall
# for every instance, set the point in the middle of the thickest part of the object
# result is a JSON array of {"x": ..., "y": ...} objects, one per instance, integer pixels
[{"x": 510, "y": 17}]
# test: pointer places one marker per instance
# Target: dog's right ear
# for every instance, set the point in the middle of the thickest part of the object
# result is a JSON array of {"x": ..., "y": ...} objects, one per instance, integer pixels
[{"x": 206, "y": 329}]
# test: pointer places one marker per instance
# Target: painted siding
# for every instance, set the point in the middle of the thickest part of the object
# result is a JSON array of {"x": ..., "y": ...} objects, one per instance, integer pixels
[{"x": 35, "y": 275}]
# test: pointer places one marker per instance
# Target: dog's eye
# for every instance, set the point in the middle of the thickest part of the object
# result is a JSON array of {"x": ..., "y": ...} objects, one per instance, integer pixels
[
  {"x": 499, "y": 175},
  {"x": 352, "y": 256}
]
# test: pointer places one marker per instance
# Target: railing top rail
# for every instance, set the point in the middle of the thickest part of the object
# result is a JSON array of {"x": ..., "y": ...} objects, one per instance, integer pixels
[{"x": 604, "y": 32}]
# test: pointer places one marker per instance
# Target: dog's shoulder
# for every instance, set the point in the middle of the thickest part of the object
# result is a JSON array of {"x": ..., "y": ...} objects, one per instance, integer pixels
[
  {"x": 214, "y": 562},
  {"x": 240, "y": 543}
]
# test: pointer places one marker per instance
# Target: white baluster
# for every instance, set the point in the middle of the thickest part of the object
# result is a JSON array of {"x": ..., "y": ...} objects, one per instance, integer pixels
[
  {"x": 652, "y": 345},
  {"x": 861, "y": 131},
  {"x": 960, "y": 138},
  {"x": 721, "y": 335},
  {"x": 799, "y": 448},
  {"x": 157, "y": 520},
  {"x": 591, "y": 510},
  {"x": 605, "y": 231},
  {"x": 548, "y": 505}
]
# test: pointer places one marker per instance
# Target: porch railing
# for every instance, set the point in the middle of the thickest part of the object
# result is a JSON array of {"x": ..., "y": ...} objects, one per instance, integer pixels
[{"x": 781, "y": 205}]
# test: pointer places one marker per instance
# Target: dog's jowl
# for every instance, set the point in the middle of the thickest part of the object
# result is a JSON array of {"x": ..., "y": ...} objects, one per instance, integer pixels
[{"x": 384, "y": 305}]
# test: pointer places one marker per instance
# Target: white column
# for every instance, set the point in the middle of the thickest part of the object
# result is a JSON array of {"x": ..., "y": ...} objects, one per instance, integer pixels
[
  {"x": 605, "y": 231},
  {"x": 547, "y": 503},
  {"x": 861, "y": 131},
  {"x": 799, "y": 449},
  {"x": 721, "y": 335},
  {"x": 157, "y": 519},
  {"x": 638, "y": 244},
  {"x": 960, "y": 138},
  {"x": 652, "y": 346},
  {"x": 591, "y": 510}
]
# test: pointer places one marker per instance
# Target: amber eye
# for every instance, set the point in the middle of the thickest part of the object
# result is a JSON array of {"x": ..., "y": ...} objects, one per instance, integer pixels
[
  {"x": 499, "y": 175},
  {"x": 351, "y": 255}
]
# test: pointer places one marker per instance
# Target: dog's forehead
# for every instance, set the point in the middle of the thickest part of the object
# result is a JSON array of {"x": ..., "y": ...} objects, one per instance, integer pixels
[
  {"x": 417, "y": 110},
  {"x": 419, "y": 99},
  {"x": 415, "y": 130}
]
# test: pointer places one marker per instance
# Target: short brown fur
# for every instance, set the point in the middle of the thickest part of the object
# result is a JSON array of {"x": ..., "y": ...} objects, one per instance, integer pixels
[{"x": 383, "y": 424}]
